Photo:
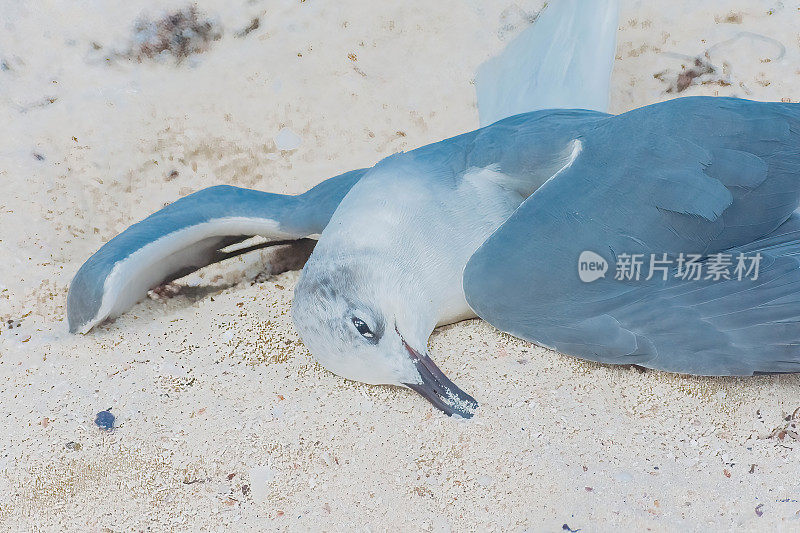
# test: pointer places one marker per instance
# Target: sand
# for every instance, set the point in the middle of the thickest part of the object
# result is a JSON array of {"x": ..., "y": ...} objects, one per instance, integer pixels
[{"x": 224, "y": 421}]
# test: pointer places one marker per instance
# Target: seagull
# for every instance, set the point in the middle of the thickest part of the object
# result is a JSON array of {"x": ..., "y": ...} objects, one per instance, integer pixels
[{"x": 497, "y": 223}]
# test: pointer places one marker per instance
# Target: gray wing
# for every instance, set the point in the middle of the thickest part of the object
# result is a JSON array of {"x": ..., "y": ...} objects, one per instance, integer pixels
[
  {"x": 188, "y": 234},
  {"x": 693, "y": 175}
]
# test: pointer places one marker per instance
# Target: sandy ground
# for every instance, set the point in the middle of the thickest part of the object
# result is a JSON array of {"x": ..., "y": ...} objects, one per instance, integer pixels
[{"x": 224, "y": 420}]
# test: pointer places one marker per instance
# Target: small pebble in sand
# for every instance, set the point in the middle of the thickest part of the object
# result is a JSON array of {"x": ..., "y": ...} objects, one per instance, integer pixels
[
  {"x": 286, "y": 139},
  {"x": 104, "y": 420},
  {"x": 484, "y": 481},
  {"x": 260, "y": 479},
  {"x": 623, "y": 477},
  {"x": 74, "y": 446}
]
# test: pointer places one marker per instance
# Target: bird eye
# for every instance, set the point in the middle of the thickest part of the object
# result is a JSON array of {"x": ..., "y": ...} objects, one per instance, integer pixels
[{"x": 363, "y": 329}]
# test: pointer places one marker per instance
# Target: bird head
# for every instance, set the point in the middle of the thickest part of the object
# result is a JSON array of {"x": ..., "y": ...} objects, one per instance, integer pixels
[{"x": 364, "y": 324}]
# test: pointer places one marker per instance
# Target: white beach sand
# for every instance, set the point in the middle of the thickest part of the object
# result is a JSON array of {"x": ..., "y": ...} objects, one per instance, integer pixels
[{"x": 224, "y": 419}]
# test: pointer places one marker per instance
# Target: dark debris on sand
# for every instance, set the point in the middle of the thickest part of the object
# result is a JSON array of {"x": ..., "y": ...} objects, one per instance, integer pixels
[
  {"x": 105, "y": 420},
  {"x": 180, "y": 34},
  {"x": 254, "y": 25},
  {"x": 700, "y": 72},
  {"x": 790, "y": 428}
]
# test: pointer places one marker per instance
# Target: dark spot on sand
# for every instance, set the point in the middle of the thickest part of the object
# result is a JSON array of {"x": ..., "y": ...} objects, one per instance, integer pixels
[
  {"x": 105, "y": 420},
  {"x": 730, "y": 18},
  {"x": 254, "y": 25},
  {"x": 179, "y": 34},
  {"x": 688, "y": 76}
]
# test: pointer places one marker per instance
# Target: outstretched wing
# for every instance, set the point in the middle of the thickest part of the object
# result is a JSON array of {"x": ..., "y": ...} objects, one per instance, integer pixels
[
  {"x": 188, "y": 234},
  {"x": 564, "y": 60},
  {"x": 693, "y": 176}
]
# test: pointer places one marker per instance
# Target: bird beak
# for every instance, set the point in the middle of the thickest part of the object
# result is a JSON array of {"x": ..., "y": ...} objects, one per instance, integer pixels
[{"x": 438, "y": 389}]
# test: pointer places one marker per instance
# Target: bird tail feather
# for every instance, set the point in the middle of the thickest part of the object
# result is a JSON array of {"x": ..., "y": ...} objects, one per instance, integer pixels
[{"x": 564, "y": 60}]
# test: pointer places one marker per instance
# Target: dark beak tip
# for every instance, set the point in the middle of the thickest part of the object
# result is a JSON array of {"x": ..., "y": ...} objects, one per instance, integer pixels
[
  {"x": 437, "y": 388},
  {"x": 457, "y": 404},
  {"x": 466, "y": 415}
]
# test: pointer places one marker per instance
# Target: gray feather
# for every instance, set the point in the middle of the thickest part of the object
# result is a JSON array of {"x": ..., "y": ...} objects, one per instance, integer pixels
[
  {"x": 693, "y": 175},
  {"x": 294, "y": 217}
]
